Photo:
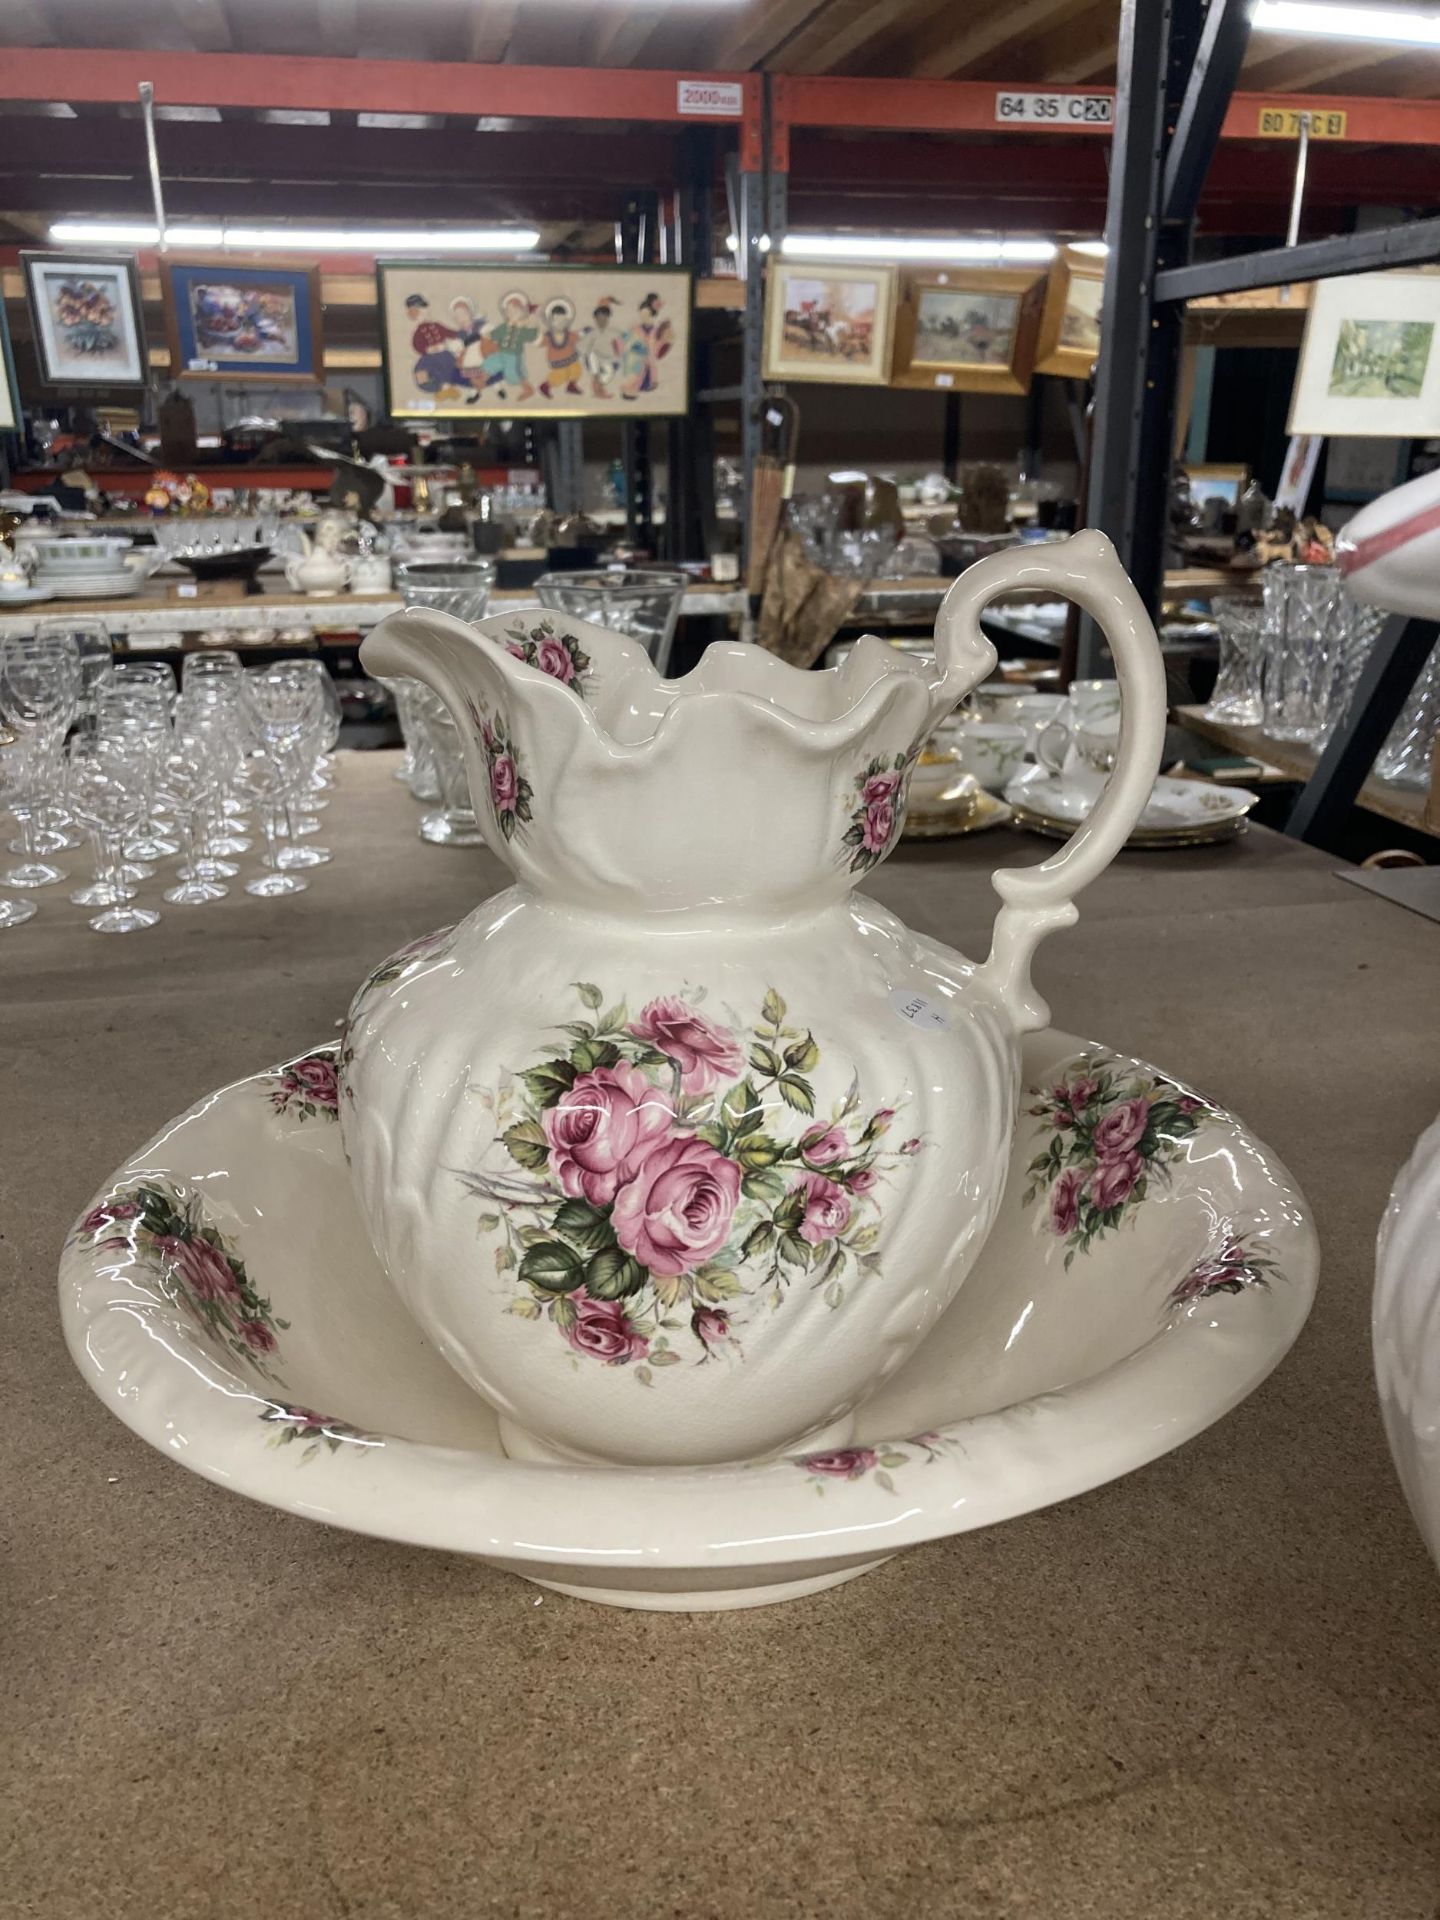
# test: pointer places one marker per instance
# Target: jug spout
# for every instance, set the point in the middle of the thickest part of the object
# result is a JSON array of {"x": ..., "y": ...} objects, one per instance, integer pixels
[{"x": 745, "y": 788}]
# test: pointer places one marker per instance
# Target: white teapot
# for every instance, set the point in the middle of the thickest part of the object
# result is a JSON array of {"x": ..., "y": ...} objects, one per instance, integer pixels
[
  {"x": 678, "y": 1147},
  {"x": 319, "y": 567}
]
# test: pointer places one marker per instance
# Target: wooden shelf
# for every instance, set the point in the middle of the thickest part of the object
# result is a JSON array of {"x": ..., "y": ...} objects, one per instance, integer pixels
[{"x": 1405, "y": 805}]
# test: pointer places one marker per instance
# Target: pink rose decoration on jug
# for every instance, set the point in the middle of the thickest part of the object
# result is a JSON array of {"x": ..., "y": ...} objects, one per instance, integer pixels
[
  {"x": 655, "y": 1179},
  {"x": 826, "y": 1208},
  {"x": 550, "y": 651},
  {"x": 1104, "y": 1140},
  {"x": 511, "y": 794},
  {"x": 601, "y": 1329},
  {"x": 879, "y": 811},
  {"x": 703, "y": 1052},
  {"x": 602, "y": 1129},
  {"x": 677, "y": 1209}
]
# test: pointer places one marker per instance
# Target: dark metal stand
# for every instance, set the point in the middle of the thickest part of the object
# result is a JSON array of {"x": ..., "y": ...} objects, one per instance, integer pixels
[
  {"x": 1178, "y": 62},
  {"x": 1381, "y": 691}
]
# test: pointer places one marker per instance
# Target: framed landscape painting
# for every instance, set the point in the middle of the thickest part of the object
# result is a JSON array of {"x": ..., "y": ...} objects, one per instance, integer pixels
[
  {"x": 86, "y": 319},
  {"x": 1069, "y": 340},
  {"x": 1370, "y": 360},
  {"x": 229, "y": 320},
  {"x": 466, "y": 341},
  {"x": 828, "y": 323},
  {"x": 969, "y": 329}
]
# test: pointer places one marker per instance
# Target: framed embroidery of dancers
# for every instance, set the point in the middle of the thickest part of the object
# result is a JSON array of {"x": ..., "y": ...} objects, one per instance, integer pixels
[{"x": 465, "y": 341}]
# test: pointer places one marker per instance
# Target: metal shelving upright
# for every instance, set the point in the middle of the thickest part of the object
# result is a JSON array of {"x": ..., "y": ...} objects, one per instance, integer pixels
[{"x": 1177, "y": 65}]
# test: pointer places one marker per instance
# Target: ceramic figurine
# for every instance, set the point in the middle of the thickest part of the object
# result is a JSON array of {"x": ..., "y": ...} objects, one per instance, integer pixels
[
  {"x": 678, "y": 1147},
  {"x": 1405, "y": 1329}
]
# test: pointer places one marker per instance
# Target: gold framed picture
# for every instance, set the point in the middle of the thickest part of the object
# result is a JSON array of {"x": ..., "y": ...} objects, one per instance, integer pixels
[
  {"x": 1069, "y": 340},
  {"x": 467, "y": 340},
  {"x": 829, "y": 323},
  {"x": 1222, "y": 483},
  {"x": 968, "y": 329}
]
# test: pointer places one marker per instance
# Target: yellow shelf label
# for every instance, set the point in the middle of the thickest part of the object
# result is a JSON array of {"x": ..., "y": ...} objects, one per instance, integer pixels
[{"x": 1283, "y": 123}]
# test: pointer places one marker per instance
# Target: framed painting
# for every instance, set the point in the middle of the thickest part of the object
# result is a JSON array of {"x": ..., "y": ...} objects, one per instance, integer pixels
[
  {"x": 467, "y": 341},
  {"x": 1224, "y": 484},
  {"x": 228, "y": 319},
  {"x": 969, "y": 329},
  {"x": 1370, "y": 359},
  {"x": 828, "y": 323},
  {"x": 9, "y": 385},
  {"x": 86, "y": 319},
  {"x": 1069, "y": 340}
]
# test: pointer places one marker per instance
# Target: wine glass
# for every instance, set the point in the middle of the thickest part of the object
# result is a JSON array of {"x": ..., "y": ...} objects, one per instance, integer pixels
[
  {"x": 187, "y": 780},
  {"x": 94, "y": 655},
  {"x": 13, "y": 913},
  {"x": 139, "y": 709},
  {"x": 261, "y": 777},
  {"x": 109, "y": 790},
  {"x": 286, "y": 717},
  {"x": 37, "y": 700}
]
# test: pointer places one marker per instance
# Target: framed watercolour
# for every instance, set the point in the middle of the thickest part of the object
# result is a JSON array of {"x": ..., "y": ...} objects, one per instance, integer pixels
[
  {"x": 969, "y": 329},
  {"x": 828, "y": 323},
  {"x": 464, "y": 342},
  {"x": 86, "y": 319},
  {"x": 1370, "y": 359},
  {"x": 1069, "y": 341},
  {"x": 226, "y": 319}
]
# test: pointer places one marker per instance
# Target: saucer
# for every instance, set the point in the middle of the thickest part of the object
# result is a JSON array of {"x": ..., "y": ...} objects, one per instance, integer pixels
[
  {"x": 24, "y": 596},
  {"x": 221, "y": 1297},
  {"x": 973, "y": 813},
  {"x": 1190, "y": 809}
]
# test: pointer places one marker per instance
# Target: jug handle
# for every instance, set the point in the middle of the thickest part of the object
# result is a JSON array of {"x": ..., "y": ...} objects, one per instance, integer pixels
[{"x": 1039, "y": 899}]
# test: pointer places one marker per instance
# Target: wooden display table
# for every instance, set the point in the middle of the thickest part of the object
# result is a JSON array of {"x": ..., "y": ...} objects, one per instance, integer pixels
[{"x": 1408, "y": 806}]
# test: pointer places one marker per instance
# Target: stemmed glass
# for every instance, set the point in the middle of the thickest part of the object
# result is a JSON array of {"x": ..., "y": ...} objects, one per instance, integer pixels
[
  {"x": 94, "y": 657},
  {"x": 13, "y": 779},
  {"x": 142, "y": 693},
  {"x": 188, "y": 779},
  {"x": 261, "y": 776},
  {"x": 109, "y": 790},
  {"x": 286, "y": 716},
  {"x": 37, "y": 699}
]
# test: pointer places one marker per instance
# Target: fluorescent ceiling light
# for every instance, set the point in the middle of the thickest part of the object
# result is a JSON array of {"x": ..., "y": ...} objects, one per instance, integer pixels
[
  {"x": 135, "y": 233},
  {"x": 1098, "y": 248},
  {"x": 1387, "y": 24},
  {"x": 881, "y": 247}
]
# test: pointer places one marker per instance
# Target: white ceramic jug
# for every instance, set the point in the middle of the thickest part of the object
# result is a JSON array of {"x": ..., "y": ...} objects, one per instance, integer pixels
[{"x": 679, "y": 1146}]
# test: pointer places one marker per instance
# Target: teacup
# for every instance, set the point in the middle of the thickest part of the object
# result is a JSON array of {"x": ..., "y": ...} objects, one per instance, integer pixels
[
  {"x": 1000, "y": 700},
  {"x": 1095, "y": 703},
  {"x": 1080, "y": 753},
  {"x": 939, "y": 777},
  {"x": 993, "y": 750}
]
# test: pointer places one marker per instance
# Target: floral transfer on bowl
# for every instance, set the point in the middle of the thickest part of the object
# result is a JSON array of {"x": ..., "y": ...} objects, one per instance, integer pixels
[{"x": 1044, "y": 1380}]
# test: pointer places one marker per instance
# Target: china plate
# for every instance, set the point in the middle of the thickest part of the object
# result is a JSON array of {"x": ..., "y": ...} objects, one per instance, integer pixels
[
  {"x": 1141, "y": 842},
  {"x": 221, "y": 1289},
  {"x": 1175, "y": 806},
  {"x": 89, "y": 586},
  {"x": 25, "y": 597}
]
